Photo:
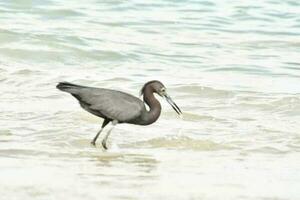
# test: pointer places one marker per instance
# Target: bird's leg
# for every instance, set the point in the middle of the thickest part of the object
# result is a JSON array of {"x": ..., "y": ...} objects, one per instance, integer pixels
[
  {"x": 105, "y": 122},
  {"x": 93, "y": 142},
  {"x": 108, "y": 133}
]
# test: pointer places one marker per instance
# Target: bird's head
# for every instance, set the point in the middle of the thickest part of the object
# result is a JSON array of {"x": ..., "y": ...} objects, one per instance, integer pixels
[{"x": 160, "y": 89}]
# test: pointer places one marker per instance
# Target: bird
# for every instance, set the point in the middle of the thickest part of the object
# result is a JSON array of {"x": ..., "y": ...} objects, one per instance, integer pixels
[{"x": 119, "y": 107}]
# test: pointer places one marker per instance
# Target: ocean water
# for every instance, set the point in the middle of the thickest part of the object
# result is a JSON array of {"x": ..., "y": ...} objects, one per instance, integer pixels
[{"x": 233, "y": 67}]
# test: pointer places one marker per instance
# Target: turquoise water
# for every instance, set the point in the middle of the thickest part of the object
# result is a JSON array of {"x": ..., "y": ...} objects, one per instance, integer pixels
[{"x": 233, "y": 67}]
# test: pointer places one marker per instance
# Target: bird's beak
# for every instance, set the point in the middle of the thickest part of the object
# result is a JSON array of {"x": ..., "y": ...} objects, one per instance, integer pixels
[{"x": 173, "y": 104}]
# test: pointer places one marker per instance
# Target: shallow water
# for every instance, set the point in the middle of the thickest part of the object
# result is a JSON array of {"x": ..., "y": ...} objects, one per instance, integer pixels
[{"x": 232, "y": 67}]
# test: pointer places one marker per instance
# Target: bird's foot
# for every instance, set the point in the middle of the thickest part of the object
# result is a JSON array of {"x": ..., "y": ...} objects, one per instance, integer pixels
[
  {"x": 93, "y": 143},
  {"x": 104, "y": 145}
]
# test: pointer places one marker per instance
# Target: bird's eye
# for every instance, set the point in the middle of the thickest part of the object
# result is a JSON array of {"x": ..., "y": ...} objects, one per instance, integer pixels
[{"x": 163, "y": 89}]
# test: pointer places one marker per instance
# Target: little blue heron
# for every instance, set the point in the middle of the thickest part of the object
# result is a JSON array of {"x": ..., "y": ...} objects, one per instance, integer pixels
[{"x": 119, "y": 107}]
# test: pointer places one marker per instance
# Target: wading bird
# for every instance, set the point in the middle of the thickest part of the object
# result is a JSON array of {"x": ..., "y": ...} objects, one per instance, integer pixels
[{"x": 119, "y": 107}]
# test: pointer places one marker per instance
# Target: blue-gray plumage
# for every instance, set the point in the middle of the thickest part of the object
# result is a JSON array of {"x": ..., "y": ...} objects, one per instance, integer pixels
[{"x": 119, "y": 107}]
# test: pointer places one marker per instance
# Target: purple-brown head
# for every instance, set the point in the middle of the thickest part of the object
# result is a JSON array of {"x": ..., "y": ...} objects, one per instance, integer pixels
[{"x": 160, "y": 89}]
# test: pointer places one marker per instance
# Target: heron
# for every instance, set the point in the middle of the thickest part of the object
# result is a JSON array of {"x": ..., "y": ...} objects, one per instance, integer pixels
[{"x": 119, "y": 107}]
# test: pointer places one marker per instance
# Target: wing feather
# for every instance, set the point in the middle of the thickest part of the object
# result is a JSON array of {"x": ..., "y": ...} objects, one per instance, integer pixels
[{"x": 111, "y": 104}]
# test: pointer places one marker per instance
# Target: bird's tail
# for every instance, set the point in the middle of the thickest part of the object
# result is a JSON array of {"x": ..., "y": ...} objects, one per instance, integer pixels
[{"x": 68, "y": 87}]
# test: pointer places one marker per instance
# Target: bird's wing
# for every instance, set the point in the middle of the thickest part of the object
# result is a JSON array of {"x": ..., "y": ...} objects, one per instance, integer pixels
[{"x": 112, "y": 104}]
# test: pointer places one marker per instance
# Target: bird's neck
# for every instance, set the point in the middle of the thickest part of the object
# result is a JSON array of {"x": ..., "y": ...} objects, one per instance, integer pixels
[{"x": 154, "y": 105}]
